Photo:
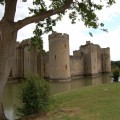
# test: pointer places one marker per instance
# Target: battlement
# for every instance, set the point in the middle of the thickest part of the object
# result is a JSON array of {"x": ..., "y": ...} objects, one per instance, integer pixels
[
  {"x": 58, "y": 35},
  {"x": 26, "y": 42},
  {"x": 76, "y": 53},
  {"x": 88, "y": 42},
  {"x": 108, "y": 48},
  {"x": 18, "y": 45}
]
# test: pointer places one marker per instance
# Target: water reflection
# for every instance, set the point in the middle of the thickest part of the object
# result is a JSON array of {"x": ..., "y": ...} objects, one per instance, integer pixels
[
  {"x": 79, "y": 83},
  {"x": 10, "y": 92},
  {"x": 10, "y": 100}
]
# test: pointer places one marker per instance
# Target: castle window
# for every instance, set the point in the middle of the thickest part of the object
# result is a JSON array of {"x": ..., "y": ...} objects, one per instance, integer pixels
[
  {"x": 66, "y": 67},
  {"x": 81, "y": 53},
  {"x": 55, "y": 57},
  {"x": 65, "y": 45},
  {"x": 44, "y": 67},
  {"x": 10, "y": 74}
]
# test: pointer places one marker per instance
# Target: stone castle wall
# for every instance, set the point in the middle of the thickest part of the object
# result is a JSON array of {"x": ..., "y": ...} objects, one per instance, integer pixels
[
  {"x": 106, "y": 64},
  {"x": 99, "y": 59},
  {"x": 19, "y": 61},
  {"x": 76, "y": 64},
  {"x": 93, "y": 57},
  {"x": 46, "y": 65},
  {"x": 57, "y": 64}
]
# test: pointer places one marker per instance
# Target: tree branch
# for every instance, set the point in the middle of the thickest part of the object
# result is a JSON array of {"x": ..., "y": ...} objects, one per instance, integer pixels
[{"x": 42, "y": 16}]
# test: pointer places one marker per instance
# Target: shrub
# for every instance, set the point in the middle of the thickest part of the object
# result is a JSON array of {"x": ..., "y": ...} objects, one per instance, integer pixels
[
  {"x": 116, "y": 75},
  {"x": 34, "y": 96}
]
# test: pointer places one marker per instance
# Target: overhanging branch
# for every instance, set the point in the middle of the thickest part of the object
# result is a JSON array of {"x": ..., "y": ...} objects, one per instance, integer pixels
[{"x": 42, "y": 16}]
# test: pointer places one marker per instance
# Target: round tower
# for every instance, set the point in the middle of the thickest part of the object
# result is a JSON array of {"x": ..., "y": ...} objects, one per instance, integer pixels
[{"x": 59, "y": 56}]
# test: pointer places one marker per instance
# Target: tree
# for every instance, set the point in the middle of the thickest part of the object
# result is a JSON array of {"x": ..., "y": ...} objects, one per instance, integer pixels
[
  {"x": 115, "y": 70},
  {"x": 45, "y": 16},
  {"x": 116, "y": 75}
]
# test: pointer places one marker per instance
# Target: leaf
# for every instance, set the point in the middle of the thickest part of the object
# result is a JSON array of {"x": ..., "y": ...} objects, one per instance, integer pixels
[{"x": 90, "y": 34}]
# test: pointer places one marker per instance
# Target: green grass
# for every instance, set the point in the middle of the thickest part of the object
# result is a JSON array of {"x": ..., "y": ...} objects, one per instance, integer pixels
[{"x": 89, "y": 103}]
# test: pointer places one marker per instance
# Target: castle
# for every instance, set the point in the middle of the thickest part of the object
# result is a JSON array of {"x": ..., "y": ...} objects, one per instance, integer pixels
[{"x": 57, "y": 64}]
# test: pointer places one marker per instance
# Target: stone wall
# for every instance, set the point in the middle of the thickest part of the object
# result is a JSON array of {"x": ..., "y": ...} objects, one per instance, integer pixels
[
  {"x": 99, "y": 59},
  {"x": 40, "y": 64},
  {"x": 76, "y": 65},
  {"x": 106, "y": 64},
  {"x": 46, "y": 65},
  {"x": 94, "y": 62},
  {"x": 86, "y": 51},
  {"x": 30, "y": 58},
  {"x": 19, "y": 60},
  {"x": 56, "y": 64}
]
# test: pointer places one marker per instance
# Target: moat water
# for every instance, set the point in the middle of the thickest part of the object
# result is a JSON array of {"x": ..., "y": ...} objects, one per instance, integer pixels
[{"x": 10, "y": 93}]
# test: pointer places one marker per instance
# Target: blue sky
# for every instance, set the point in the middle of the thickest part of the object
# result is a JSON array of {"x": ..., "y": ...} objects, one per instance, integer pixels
[
  {"x": 78, "y": 33},
  {"x": 111, "y": 25}
]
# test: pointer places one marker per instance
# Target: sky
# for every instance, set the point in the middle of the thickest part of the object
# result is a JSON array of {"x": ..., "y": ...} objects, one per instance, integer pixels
[{"x": 78, "y": 33}]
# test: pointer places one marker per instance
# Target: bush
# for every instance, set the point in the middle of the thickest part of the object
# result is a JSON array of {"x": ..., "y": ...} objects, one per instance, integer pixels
[
  {"x": 116, "y": 75},
  {"x": 34, "y": 96}
]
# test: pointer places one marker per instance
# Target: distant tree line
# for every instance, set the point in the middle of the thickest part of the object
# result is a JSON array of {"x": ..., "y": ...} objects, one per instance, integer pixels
[{"x": 115, "y": 65}]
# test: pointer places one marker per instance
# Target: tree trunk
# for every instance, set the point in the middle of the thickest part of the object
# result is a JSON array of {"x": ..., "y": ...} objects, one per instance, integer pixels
[
  {"x": 2, "y": 115},
  {"x": 7, "y": 54},
  {"x": 8, "y": 33}
]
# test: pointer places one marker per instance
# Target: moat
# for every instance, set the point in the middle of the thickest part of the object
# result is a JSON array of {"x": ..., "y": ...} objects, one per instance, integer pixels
[{"x": 10, "y": 94}]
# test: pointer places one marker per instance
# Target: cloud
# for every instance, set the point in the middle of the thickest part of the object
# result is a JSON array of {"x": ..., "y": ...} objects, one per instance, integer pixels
[
  {"x": 110, "y": 39},
  {"x": 22, "y": 9},
  {"x": 107, "y": 14},
  {"x": 78, "y": 33},
  {"x": 1, "y": 11},
  {"x": 25, "y": 32}
]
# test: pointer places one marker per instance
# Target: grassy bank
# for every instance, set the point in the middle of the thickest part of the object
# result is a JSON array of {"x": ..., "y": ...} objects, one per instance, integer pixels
[{"x": 89, "y": 103}]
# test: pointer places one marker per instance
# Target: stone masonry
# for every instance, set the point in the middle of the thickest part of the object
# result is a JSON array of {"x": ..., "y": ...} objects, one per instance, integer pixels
[{"x": 57, "y": 64}]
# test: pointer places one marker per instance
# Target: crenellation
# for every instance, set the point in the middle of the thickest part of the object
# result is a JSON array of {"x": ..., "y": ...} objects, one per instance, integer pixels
[
  {"x": 58, "y": 35},
  {"x": 57, "y": 63},
  {"x": 88, "y": 42},
  {"x": 26, "y": 42},
  {"x": 76, "y": 53},
  {"x": 106, "y": 67}
]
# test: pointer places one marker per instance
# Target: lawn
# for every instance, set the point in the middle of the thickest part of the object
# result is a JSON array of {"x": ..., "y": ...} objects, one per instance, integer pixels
[{"x": 100, "y": 102}]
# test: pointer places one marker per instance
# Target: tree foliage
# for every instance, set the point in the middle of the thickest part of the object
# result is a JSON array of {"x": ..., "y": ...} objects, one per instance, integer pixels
[
  {"x": 116, "y": 73},
  {"x": 78, "y": 10},
  {"x": 34, "y": 96},
  {"x": 115, "y": 63},
  {"x": 115, "y": 70},
  {"x": 2, "y": 2}
]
